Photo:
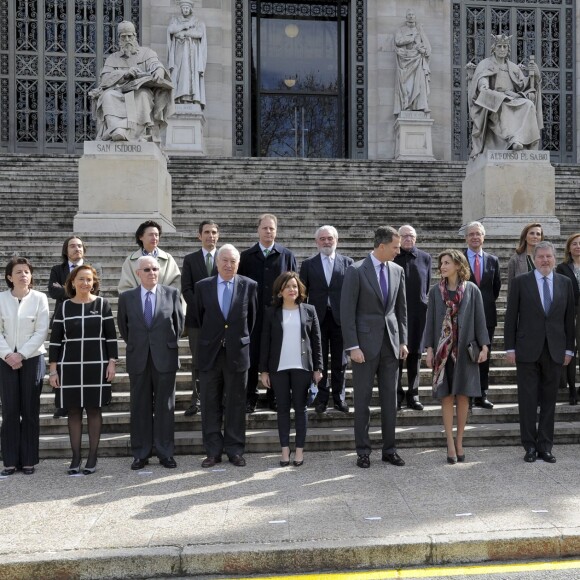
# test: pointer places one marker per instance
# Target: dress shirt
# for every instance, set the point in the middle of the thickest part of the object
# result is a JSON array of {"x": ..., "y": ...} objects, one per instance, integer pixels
[
  {"x": 220, "y": 290},
  {"x": 72, "y": 265},
  {"x": 153, "y": 298},
  {"x": 152, "y": 254},
  {"x": 471, "y": 257},
  {"x": 263, "y": 248},
  {"x": 290, "y": 353},
  {"x": 377, "y": 265}
]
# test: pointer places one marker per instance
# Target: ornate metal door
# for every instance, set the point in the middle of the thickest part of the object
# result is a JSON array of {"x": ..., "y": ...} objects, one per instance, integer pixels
[
  {"x": 543, "y": 28},
  {"x": 50, "y": 54}
]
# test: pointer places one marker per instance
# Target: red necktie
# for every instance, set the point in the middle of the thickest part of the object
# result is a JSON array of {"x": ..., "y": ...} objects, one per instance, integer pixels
[{"x": 477, "y": 270}]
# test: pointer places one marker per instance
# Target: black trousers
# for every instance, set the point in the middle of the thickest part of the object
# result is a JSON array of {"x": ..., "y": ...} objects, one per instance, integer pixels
[
  {"x": 192, "y": 334},
  {"x": 484, "y": 366},
  {"x": 291, "y": 388},
  {"x": 253, "y": 371},
  {"x": 152, "y": 412},
  {"x": 333, "y": 345},
  {"x": 538, "y": 383},
  {"x": 20, "y": 395},
  {"x": 223, "y": 399},
  {"x": 413, "y": 363}
]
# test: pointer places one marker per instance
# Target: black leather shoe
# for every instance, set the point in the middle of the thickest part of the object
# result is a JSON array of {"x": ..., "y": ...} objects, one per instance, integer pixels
[
  {"x": 341, "y": 406},
  {"x": 320, "y": 408},
  {"x": 238, "y": 460},
  {"x": 399, "y": 406},
  {"x": 273, "y": 406},
  {"x": 210, "y": 461},
  {"x": 546, "y": 456},
  {"x": 60, "y": 413},
  {"x": 415, "y": 405},
  {"x": 168, "y": 462},
  {"x": 530, "y": 455},
  {"x": 191, "y": 411},
  {"x": 573, "y": 399},
  {"x": 8, "y": 471},
  {"x": 139, "y": 464},
  {"x": 363, "y": 461},
  {"x": 483, "y": 403},
  {"x": 393, "y": 459},
  {"x": 30, "y": 470},
  {"x": 250, "y": 408}
]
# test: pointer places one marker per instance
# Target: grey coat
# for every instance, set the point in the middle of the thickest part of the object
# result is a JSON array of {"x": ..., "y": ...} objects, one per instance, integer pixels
[
  {"x": 517, "y": 265},
  {"x": 472, "y": 326}
]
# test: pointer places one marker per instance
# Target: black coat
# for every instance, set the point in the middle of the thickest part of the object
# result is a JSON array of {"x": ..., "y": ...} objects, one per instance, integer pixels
[
  {"x": 567, "y": 269},
  {"x": 192, "y": 272}
]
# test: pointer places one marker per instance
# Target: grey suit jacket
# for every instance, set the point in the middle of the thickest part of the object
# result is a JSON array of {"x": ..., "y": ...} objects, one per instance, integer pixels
[
  {"x": 527, "y": 327},
  {"x": 363, "y": 316},
  {"x": 163, "y": 336}
]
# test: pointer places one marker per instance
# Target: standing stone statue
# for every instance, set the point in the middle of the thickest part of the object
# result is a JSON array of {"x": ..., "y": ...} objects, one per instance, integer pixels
[
  {"x": 505, "y": 106},
  {"x": 413, "y": 51},
  {"x": 187, "y": 47},
  {"x": 134, "y": 97}
]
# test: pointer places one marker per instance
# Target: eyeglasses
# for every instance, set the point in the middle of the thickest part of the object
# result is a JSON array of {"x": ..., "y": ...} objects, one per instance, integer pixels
[{"x": 150, "y": 269}]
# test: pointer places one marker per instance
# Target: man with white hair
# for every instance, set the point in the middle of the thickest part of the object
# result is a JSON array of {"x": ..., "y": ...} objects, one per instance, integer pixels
[
  {"x": 323, "y": 276},
  {"x": 150, "y": 320},
  {"x": 134, "y": 96},
  {"x": 224, "y": 311}
]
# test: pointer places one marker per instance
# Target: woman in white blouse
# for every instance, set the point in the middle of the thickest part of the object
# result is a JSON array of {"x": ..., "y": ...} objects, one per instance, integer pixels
[
  {"x": 290, "y": 358},
  {"x": 23, "y": 330}
]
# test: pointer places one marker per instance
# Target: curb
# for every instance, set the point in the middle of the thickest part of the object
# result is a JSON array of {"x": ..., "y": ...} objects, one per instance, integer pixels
[{"x": 297, "y": 557}]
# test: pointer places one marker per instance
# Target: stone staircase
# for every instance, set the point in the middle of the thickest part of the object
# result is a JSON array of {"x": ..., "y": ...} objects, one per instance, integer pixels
[{"x": 38, "y": 199}]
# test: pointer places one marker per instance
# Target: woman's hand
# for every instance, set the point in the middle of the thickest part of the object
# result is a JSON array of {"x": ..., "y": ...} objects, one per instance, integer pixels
[
  {"x": 429, "y": 358},
  {"x": 53, "y": 380},
  {"x": 14, "y": 359},
  {"x": 316, "y": 376},
  {"x": 483, "y": 354},
  {"x": 265, "y": 379},
  {"x": 110, "y": 373}
]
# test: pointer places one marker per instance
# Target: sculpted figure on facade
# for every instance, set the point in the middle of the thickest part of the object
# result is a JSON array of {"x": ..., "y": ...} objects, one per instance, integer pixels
[
  {"x": 134, "y": 96},
  {"x": 413, "y": 51},
  {"x": 187, "y": 49},
  {"x": 505, "y": 105}
]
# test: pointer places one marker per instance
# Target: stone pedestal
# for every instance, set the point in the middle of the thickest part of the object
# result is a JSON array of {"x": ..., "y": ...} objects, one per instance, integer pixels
[
  {"x": 413, "y": 137},
  {"x": 184, "y": 133},
  {"x": 121, "y": 185},
  {"x": 505, "y": 190}
]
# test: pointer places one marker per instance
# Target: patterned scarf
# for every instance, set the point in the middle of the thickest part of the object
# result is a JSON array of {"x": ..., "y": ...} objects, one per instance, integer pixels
[{"x": 448, "y": 340}]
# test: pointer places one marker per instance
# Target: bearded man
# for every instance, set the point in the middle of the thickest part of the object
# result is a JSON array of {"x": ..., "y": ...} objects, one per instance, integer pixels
[{"x": 134, "y": 97}]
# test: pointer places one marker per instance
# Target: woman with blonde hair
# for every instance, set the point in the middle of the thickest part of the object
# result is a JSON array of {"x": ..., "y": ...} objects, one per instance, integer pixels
[{"x": 457, "y": 341}]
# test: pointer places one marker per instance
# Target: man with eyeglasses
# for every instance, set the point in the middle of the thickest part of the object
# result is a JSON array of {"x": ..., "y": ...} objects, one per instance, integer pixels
[
  {"x": 150, "y": 320},
  {"x": 417, "y": 266}
]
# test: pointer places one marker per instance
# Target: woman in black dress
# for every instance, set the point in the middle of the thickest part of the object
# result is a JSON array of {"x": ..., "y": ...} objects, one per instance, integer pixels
[{"x": 82, "y": 357}]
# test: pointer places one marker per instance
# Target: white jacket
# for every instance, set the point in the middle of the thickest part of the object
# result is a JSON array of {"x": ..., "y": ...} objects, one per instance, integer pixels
[{"x": 23, "y": 325}]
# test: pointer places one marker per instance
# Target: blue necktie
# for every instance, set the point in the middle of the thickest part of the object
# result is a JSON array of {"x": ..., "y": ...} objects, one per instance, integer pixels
[
  {"x": 547, "y": 297},
  {"x": 226, "y": 299},
  {"x": 148, "y": 310},
  {"x": 383, "y": 281}
]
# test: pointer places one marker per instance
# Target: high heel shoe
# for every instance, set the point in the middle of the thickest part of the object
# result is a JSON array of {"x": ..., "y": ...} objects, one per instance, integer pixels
[
  {"x": 461, "y": 458},
  {"x": 452, "y": 460},
  {"x": 90, "y": 470},
  {"x": 297, "y": 463},
  {"x": 74, "y": 469},
  {"x": 284, "y": 463}
]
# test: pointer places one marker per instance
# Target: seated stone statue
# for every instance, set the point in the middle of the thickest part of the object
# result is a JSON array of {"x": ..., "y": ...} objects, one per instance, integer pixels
[
  {"x": 134, "y": 97},
  {"x": 505, "y": 106}
]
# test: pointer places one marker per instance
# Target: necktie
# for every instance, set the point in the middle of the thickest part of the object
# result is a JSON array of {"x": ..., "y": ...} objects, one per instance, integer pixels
[
  {"x": 547, "y": 297},
  {"x": 477, "y": 270},
  {"x": 208, "y": 264},
  {"x": 383, "y": 281},
  {"x": 327, "y": 269},
  {"x": 148, "y": 310},
  {"x": 266, "y": 252},
  {"x": 226, "y": 299}
]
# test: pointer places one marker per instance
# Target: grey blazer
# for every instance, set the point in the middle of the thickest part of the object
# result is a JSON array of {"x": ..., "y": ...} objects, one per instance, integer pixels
[
  {"x": 517, "y": 265},
  {"x": 363, "y": 316},
  {"x": 163, "y": 336}
]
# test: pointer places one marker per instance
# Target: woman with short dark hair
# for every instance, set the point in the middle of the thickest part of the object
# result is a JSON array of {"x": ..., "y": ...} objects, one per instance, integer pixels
[
  {"x": 23, "y": 330},
  {"x": 290, "y": 358}
]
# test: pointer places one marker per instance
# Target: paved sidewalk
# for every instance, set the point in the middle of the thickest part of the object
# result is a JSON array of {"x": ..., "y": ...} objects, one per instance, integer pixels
[{"x": 327, "y": 514}]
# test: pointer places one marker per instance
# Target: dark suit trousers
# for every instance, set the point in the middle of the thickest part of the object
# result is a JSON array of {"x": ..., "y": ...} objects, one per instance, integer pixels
[
  {"x": 291, "y": 387},
  {"x": 252, "y": 380},
  {"x": 386, "y": 368},
  {"x": 20, "y": 395},
  {"x": 152, "y": 412},
  {"x": 192, "y": 334},
  {"x": 331, "y": 341},
  {"x": 484, "y": 366},
  {"x": 413, "y": 363},
  {"x": 538, "y": 382},
  {"x": 223, "y": 397}
]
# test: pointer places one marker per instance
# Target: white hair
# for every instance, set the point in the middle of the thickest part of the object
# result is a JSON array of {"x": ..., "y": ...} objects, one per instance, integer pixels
[
  {"x": 330, "y": 229},
  {"x": 410, "y": 227},
  {"x": 230, "y": 248},
  {"x": 475, "y": 225},
  {"x": 141, "y": 259}
]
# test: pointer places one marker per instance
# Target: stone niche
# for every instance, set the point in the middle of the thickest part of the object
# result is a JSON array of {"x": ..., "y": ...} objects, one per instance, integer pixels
[
  {"x": 505, "y": 190},
  {"x": 122, "y": 184}
]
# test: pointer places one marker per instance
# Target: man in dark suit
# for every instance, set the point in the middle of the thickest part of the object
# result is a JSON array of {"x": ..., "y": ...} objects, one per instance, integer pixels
[
  {"x": 263, "y": 262},
  {"x": 73, "y": 251},
  {"x": 539, "y": 339},
  {"x": 225, "y": 313},
  {"x": 197, "y": 266},
  {"x": 485, "y": 273},
  {"x": 417, "y": 267},
  {"x": 323, "y": 276},
  {"x": 150, "y": 320},
  {"x": 373, "y": 313}
]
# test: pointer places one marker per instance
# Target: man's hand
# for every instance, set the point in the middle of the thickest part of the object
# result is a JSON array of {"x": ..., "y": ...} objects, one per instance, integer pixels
[
  {"x": 567, "y": 360},
  {"x": 403, "y": 351},
  {"x": 356, "y": 355},
  {"x": 510, "y": 357}
]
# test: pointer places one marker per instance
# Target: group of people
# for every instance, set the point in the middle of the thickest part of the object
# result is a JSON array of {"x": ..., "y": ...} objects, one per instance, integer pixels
[{"x": 252, "y": 316}]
